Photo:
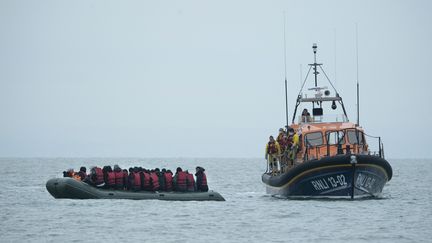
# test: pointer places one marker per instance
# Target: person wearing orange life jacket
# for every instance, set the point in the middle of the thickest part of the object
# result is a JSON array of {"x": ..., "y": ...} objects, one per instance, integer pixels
[
  {"x": 119, "y": 178},
  {"x": 190, "y": 182},
  {"x": 168, "y": 180},
  {"x": 76, "y": 176},
  {"x": 272, "y": 153},
  {"x": 179, "y": 180},
  {"x": 154, "y": 181},
  {"x": 69, "y": 173},
  {"x": 201, "y": 179}
]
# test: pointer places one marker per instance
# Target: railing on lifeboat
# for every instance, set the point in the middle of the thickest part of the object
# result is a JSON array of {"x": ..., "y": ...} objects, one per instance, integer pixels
[
  {"x": 380, "y": 151},
  {"x": 359, "y": 146},
  {"x": 324, "y": 118}
]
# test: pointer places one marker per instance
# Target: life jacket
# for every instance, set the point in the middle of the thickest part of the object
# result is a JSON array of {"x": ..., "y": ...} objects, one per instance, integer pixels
[
  {"x": 145, "y": 181},
  {"x": 82, "y": 175},
  {"x": 77, "y": 177},
  {"x": 202, "y": 182},
  {"x": 168, "y": 181},
  {"x": 110, "y": 179},
  {"x": 272, "y": 148},
  {"x": 136, "y": 182},
  {"x": 181, "y": 181},
  {"x": 282, "y": 141},
  {"x": 154, "y": 181},
  {"x": 280, "y": 138},
  {"x": 289, "y": 142},
  {"x": 119, "y": 179},
  {"x": 190, "y": 181},
  {"x": 99, "y": 176}
]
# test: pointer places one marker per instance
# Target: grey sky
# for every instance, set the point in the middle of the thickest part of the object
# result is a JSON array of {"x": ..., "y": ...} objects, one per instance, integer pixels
[{"x": 202, "y": 78}]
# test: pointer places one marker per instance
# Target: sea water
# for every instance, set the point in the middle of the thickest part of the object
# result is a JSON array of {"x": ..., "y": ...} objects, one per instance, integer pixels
[{"x": 30, "y": 214}]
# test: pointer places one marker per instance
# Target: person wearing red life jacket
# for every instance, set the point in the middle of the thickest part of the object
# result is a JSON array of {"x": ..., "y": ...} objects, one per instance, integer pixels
[
  {"x": 145, "y": 180},
  {"x": 201, "y": 180},
  {"x": 180, "y": 180},
  {"x": 109, "y": 177},
  {"x": 105, "y": 170},
  {"x": 281, "y": 139},
  {"x": 190, "y": 182},
  {"x": 82, "y": 173},
  {"x": 154, "y": 181},
  {"x": 96, "y": 177},
  {"x": 134, "y": 179},
  {"x": 168, "y": 180},
  {"x": 110, "y": 180},
  {"x": 272, "y": 154},
  {"x": 119, "y": 178}
]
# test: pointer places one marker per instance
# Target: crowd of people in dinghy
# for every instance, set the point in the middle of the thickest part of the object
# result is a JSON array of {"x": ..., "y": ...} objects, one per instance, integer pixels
[{"x": 141, "y": 179}]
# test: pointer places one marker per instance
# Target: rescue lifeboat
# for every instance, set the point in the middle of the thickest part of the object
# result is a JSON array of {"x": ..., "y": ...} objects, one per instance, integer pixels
[
  {"x": 333, "y": 157},
  {"x": 74, "y": 189}
]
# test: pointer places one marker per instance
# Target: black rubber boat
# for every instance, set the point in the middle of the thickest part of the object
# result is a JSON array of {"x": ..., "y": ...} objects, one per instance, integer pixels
[
  {"x": 74, "y": 189},
  {"x": 325, "y": 156}
]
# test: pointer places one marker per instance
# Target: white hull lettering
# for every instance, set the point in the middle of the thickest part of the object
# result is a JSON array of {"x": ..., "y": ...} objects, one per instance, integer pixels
[
  {"x": 329, "y": 182},
  {"x": 365, "y": 181}
]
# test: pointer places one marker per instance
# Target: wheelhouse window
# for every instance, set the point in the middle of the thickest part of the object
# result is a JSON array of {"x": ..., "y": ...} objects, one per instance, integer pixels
[
  {"x": 313, "y": 139},
  {"x": 336, "y": 137},
  {"x": 355, "y": 136}
]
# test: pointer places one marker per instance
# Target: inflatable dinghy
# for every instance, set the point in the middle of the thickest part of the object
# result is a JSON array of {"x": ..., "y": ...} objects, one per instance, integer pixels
[{"x": 74, "y": 189}]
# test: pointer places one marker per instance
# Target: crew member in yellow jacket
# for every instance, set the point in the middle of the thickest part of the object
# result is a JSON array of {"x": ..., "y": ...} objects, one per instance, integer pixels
[
  {"x": 272, "y": 153},
  {"x": 295, "y": 145}
]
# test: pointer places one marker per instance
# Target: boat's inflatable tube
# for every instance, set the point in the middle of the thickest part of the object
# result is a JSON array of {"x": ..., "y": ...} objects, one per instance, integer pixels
[{"x": 73, "y": 189}]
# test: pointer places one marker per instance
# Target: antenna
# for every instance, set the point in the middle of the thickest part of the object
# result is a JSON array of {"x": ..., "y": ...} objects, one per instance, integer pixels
[
  {"x": 358, "y": 86},
  {"x": 315, "y": 64},
  {"x": 335, "y": 57},
  {"x": 286, "y": 82}
]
